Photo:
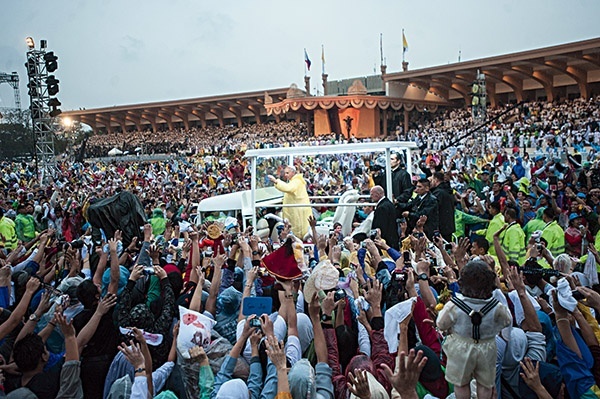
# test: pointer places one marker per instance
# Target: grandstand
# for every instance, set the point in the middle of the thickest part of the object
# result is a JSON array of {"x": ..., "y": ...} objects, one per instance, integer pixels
[{"x": 554, "y": 73}]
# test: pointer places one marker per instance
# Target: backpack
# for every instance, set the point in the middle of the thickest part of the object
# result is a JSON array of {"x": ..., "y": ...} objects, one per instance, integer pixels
[{"x": 475, "y": 315}]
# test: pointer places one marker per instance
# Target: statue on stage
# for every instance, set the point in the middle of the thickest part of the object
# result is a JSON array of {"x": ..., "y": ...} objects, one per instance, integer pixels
[{"x": 348, "y": 121}]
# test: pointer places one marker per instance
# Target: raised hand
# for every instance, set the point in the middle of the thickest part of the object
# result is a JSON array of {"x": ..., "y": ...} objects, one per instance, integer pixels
[
  {"x": 373, "y": 295},
  {"x": 198, "y": 354},
  {"x": 160, "y": 272},
  {"x": 531, "y": 374},
  {"x": 44, "y": 305},
  {"x": 32, "y": 285},
  {"x": 106, "y": 303},
  {"x": 65, "y": 326},
  {"x": 276, "y": 352},
  {"x": 138, "y": 335},
  {"x": 409, "y": 369},
  {"x": 328, "y": 304},
  {"x": 358, "y": 384},
  {"x": 133, "y": 354}
]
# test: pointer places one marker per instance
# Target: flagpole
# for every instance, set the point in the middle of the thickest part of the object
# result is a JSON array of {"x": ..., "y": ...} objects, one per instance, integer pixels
[
  {"x": 322, "y": 59},
  {"x": 381, "y": 48}
]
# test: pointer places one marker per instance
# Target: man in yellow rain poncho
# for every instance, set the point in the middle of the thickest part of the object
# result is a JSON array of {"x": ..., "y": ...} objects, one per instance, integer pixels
[{"x": 294, "y": 192}]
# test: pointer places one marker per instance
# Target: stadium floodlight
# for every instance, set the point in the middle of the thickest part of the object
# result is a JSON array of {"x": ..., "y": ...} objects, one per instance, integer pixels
[
  {"x": 52, "y": 83},
  {"x": 53, "y": 102},
  {"x": 30, "y": 42},
  {"x": 51, "y": 61},
  {"x": 55, "y": 112}
]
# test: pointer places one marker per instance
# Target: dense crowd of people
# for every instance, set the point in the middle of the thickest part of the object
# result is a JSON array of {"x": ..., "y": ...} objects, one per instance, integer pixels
[
  {"x": 196, "y": 140},
  {"x": 477, "y": 277}
]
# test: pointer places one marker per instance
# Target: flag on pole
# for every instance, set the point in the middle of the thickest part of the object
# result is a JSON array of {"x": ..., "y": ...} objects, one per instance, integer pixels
[
  {"x": 404, "y": 42},
  {"x": 307, "y": 60},
  {"x": 323, "y": 58}
]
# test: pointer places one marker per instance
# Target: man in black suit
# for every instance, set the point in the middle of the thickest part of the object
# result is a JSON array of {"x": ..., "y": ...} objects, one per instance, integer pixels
[
  {"x": 441, "y": 189},
  {"x": 424, "y": 204},
  {"x": 401, "y": 181},
  {"x": 384, "y": 218}
]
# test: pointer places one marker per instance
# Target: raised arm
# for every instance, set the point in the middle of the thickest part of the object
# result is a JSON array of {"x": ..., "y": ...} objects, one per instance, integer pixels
[
  {"x": 88, "y": 331},
  {"x": 115, "y": 271},
  {"x": 17, "y": 315},
  {"x": 196, "y": 302},
  {"x": 211, "y": 302},
  {"x": 139, "y": 337},
  {"x": 276, "y": 352},
  {"x": 102, "y": 261},
  {"x": 319, "y": 337},
  {"x": 531, "y": 322},
  {"x": 66, "y": 327},
  {"x": 500, "y": 252},
  {"x": 30, "y": 324},
  {"x": 564, "y": 326},
  {"x": 252, "y": 274}
]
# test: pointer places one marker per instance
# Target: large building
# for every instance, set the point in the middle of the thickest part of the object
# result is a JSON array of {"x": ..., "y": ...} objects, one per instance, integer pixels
[{"x": 552, "y": 73}]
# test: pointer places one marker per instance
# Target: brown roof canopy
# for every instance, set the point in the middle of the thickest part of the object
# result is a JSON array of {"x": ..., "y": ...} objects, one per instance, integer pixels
[{"x": 544, "y": 69}]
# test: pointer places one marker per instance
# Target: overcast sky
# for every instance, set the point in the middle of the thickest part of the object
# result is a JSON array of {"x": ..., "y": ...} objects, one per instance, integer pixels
[{"x": 115, "y": 52}]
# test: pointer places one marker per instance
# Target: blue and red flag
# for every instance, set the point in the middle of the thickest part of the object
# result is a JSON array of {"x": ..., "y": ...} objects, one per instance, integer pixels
[{"x": 307, "y": 60}]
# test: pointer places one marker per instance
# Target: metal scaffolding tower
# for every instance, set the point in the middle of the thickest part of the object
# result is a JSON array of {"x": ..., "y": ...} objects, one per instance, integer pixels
[
  {"x": 13, "y": 80},
  {"x": 42, "y": 88}
]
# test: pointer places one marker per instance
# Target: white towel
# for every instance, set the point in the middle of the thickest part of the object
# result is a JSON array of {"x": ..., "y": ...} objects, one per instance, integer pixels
[
  {"x": 589, "y": 270},
  {"x": 393, "y": 317},
  {"x": 565, "y": 296}
]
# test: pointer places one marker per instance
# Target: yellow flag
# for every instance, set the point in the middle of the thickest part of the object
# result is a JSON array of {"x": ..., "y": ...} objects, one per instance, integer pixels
[{"x": 404, "y": 42}]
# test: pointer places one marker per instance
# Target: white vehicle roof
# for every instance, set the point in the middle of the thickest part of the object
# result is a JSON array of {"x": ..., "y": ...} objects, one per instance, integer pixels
[{"x": 240, "y": 201}]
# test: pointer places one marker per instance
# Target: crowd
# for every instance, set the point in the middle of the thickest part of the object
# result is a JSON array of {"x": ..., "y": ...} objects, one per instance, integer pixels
[
  {"x": 479, "y": 277},
  {"x": 572, "y": 123},
  {"x": 197, "y": 140}
]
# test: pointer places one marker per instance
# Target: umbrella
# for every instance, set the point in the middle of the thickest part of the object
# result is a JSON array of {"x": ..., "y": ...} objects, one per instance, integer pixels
[{"x": 115, "y": 151}]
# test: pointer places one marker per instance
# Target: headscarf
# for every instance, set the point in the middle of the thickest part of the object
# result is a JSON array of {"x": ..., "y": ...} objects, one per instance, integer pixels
[
  {"x": 142, "y": 317},
  {"x": 233, "y": 389},
  {"x": 121, "y": 388},
  {"x": 302, "y": 379}
]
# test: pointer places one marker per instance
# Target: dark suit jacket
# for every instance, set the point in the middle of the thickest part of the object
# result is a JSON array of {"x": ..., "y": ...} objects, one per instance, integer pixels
[
  {"x": 401, "y": 184},
  {"x": 385, "y": 220},
  {"x": 446, "y": 204},
  {"x": 427, "y": 206}
]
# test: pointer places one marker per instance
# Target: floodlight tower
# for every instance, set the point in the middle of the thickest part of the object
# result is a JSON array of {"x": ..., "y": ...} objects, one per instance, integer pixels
[
  {"x": 479, "y": 100},
  {"x": 43, "y": 104},
  {"x": 13, "y": 80},
  {"x": 479, "y": 104}
]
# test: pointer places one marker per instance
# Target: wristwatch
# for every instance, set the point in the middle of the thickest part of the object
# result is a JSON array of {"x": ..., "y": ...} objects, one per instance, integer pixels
[
  {"x": 34, "y": 317},
  {"x": 325, "y": 318},
  {"x": 422, "y": 276}
]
